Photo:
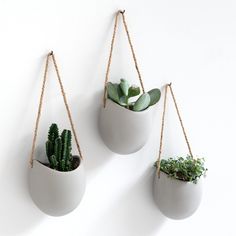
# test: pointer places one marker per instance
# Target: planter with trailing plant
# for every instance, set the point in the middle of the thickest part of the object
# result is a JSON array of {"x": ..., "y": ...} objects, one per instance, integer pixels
[
  {"x": 178, "y": 189},
  {"x": 58, "y": 185},
  {"x": 178, "y": 183},
  {"x": 125, "y": 121}
]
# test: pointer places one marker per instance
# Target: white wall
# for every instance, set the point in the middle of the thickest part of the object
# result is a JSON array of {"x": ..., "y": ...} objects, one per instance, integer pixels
[{"x": 191, "y": 43}]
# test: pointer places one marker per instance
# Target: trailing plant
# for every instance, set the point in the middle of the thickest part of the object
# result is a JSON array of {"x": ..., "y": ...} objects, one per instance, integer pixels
[
  {"x": 122, "y": 92},
  {"x": 58, "y": 149},
  {"x": 185, "y": 169}
]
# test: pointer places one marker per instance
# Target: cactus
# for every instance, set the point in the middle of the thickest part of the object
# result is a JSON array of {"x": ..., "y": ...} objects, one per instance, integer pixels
[
  {"x": 121, "y": 93},
  {"x": 53, "y": 134},
  {"x": 58, "y": 149},
  {"x": 53, "y": 162},
  {"x": 66, "y": 149}
]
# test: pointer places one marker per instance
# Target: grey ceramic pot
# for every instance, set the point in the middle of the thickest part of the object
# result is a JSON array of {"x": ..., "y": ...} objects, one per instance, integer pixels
[
  {"x": 54, "y": 192},
  {"x": 177, "y": 199},
  {"x": 122, "y": 130}
]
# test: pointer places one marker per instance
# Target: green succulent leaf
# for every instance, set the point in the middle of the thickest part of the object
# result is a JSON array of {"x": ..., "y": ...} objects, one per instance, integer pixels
[
  {"x": 124, "y": 85},
  {"x": 133, "y": 91},
  {"x": 119, "y": 91},
  {"x": 123, "y": 101},
  {"x": 155, "y": 95},
  {"x": 142, "y": 102},
  {"x": 112, "y": 92}
]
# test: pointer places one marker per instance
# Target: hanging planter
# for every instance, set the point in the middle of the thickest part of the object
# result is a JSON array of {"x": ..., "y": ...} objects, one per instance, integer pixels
[
  {"x": 58, "y": 186},
  {"x": 125, "y": 123},
  {"x": 178, "y": 183}
]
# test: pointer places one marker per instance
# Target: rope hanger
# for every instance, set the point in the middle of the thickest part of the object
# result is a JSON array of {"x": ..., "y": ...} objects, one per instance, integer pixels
[
  {"x": 163, "y": 124},
  {"x": 51, "y": 54},
  {"x": 122, "y": 13}
]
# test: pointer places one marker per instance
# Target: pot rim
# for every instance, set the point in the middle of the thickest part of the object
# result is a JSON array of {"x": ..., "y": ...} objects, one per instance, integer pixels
[
  {"x": 53, "y": 171},
  {"x": 128, "y": 110},
  {"x": 179, "y": 180}
]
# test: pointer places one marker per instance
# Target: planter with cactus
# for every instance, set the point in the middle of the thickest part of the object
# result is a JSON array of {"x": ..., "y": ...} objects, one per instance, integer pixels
[
  {"x": 58, "y": 186},
  {"x": 179, "y": 186},
  {"x": 125, "y": 122}
]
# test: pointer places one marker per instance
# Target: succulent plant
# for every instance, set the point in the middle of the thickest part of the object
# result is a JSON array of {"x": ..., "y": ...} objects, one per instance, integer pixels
[
  {"x": 122, "y": 92},
  {"x": 58, "y": 149},
  {"x": 185, "y": 169}
]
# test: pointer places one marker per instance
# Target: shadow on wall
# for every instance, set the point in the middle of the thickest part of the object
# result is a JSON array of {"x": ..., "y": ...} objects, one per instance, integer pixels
[
  {"x": 94, "y": 150},
  {"x": 18, "y": 214},
  {"x": 134, "y": 214}
]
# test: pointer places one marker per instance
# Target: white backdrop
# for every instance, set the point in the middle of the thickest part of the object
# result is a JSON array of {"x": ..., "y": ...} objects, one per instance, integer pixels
[{"x": 191, "y": 43}]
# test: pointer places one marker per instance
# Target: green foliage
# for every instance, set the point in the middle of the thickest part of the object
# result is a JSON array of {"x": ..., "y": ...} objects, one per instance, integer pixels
[
  {"x": 133, "y": 91},
  {"x": 142, "y": 102},
  {"x": 121, "y": 93},
  {"x": 185, "y": 169},
  {"x": 113, "y": 92},
  {"x": 53, "y": 162},
  {"x": 66, "y": 150},
  {"x": 58, "y": 149},
  {"x": 53, "y": 134},
  {"x": 155, "y": 95},
  {"x": 124, "y": 85}
]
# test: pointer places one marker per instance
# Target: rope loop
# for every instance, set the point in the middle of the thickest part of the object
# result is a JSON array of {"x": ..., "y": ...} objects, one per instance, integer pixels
[
  {"x": 51, "y": 54},
  {"x": 163, "y": 124},
  {"x": 122, "y": 13}
]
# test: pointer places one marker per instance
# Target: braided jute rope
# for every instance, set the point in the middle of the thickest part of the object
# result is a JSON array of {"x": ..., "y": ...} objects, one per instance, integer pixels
[
  {"x": 163, "y": 124},
  {"x": 162, "y": 131},
  {"x": 51, "y": 54},
  {"x": 111, "y": 53}
]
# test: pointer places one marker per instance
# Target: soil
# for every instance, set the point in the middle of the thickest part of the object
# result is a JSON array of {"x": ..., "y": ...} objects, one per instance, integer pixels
[{"x": 75, "y": 162}]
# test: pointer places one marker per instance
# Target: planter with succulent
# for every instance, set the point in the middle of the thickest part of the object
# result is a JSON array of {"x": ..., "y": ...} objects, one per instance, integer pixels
[
  {"x": 125, "y": 122},
  {"x": 57, "y": 186},
  {"x": 178, "y": 183}
]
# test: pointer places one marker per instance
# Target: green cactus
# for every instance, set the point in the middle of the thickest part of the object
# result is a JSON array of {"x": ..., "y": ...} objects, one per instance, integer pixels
[
  {"x": 49, "y": 148},
  {"x": 121, "y": 93},
  {"x": 53, "y": 162},
  {"x": 66, "y": 149},
  {"x": 58, "y": 149},
  {"x": 53, "y": 133}
]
